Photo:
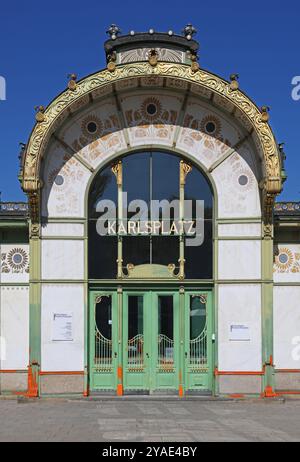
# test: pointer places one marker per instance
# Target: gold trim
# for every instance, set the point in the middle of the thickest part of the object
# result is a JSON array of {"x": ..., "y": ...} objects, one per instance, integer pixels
[
  {"x": 117, "y": 171},
  {"x": 185, "y": 169},
  {"x": 54, "y": 113}
]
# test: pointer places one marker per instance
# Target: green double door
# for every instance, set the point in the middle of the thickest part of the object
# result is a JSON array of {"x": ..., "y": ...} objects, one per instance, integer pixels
[{"x": 150, "y": 341}]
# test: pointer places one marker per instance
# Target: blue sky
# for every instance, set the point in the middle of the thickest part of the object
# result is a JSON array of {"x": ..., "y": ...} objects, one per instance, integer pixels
[{"x": 41, "y": 42}]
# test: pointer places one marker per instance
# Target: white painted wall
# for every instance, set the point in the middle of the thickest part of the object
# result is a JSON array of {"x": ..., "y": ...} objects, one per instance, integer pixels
[
  {"x": 62, "y": 355},
  {"x": 14, "y": 327},
  {"x": 287, "y": 327},
  {"x": 236, "y": 200},
  {"x": 239, "y": 230},
  {"x": 63, "y": 229},
  {"x": 62, "y": 259},
  {"x": 240, "y": 259},
  {"x": 239, "y": 304}
]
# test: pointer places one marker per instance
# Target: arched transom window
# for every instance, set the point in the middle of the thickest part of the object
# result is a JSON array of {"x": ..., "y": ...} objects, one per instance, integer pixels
[{"x": 150, "y": 216}]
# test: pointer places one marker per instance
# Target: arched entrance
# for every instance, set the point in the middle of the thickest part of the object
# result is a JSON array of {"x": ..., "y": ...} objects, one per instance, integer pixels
[{"x": 150, "y": 226}]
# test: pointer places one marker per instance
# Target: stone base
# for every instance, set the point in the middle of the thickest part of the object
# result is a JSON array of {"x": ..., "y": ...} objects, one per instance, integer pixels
[
  {"x": 287, "y": 381},
  {"x": 244, "y": 384},
  {"x": 61, "y": 384},
  {"x": 13, "y": 381}
]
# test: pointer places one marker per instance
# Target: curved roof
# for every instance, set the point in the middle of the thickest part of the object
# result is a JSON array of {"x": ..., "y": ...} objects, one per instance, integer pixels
[{"x": 220, "y": 93}]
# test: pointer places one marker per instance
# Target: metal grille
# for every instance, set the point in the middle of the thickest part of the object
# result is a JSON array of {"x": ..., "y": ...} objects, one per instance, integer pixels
[
  {"x": 198, "y": 350},
  {"x": 198, "y": 345},
  {"x": 136, "y": 352},
  {"x": 103, "y": 345},
  {"x": 103, "y": 351},
  {"x": 165, "y": 353}
]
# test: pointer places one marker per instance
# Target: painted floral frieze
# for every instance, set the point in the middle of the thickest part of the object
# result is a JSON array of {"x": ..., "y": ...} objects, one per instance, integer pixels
[
  {"x": 287, "y": 261},
  {"x": 16, "y": 260}
]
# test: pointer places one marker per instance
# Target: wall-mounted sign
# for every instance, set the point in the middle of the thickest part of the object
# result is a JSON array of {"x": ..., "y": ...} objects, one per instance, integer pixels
[
  {"x": 239, "y": 333},
  {"x": 62, "y": 327}
]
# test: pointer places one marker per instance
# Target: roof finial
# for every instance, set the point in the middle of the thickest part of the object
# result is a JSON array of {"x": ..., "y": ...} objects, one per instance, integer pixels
[
  {"x": 72, "y": 85},
  {"x": 234, "y": 84},
  {"x": 189, "y": 31},
  {"x": 265, "y": 114},
  {"x": 39, "y": 116},
  {"x": 113, "y": 31}
]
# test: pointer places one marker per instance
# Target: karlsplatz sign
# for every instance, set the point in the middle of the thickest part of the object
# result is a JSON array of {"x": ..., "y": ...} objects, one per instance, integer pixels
[
  {"x": 167, "y": 218},
  {"x": 175, "y": 228}
]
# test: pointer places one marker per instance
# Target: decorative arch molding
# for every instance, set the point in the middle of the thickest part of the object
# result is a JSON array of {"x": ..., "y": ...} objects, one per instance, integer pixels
[{"x": 103, "y": 83}]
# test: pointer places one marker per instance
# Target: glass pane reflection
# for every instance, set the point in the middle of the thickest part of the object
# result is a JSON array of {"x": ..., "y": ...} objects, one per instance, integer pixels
[
  {"x": 165, "y": 332},
  {"x": 135, "y": 331}
]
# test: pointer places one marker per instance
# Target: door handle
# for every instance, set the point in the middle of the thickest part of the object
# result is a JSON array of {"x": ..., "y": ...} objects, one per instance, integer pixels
[
  {"x": 147, "y": 355},
  {"x": 115, "y": 354},
  {"x": 185, "y": 354}
]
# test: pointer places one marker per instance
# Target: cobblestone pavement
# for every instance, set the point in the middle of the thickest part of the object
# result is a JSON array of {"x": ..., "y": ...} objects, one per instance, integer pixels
[{"x": 162, "y": 420}]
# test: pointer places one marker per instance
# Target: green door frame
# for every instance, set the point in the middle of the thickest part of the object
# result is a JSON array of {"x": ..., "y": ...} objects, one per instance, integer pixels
[
  {"x": 103, "y": 372},
  {"x": 136, "y": 371},
  {"x": 185, "y": 378},
  {"x": 199, "y": 354}
]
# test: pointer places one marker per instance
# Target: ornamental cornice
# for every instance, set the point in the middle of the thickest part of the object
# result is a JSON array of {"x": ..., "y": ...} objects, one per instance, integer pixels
[{"x": 52, "y": 117}]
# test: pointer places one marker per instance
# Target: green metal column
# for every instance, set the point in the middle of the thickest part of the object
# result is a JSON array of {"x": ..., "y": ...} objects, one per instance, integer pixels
[
  {"x": 267, "y": 311},
  {"x": 117, "y": 170},
  {"x": 182, "y": 345},
  {"x": 86, "y": 386},
  {"x": 34, "y": 310},
  {"x": 120, "y": 370}
]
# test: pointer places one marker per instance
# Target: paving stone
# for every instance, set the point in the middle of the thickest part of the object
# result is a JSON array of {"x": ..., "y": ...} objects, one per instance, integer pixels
[{"x": 163, "y": 420}]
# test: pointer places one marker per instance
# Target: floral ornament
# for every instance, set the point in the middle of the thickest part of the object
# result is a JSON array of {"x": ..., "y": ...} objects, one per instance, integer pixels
[
  {"x": 92, "y": 127},
  {"x": 4, "y": 266},
  {"x": 287, "y": 261},
  {"x": 211, "y": 125},
  {"x": 151, "y": 109},
  {"x": 17, "y": 259}
]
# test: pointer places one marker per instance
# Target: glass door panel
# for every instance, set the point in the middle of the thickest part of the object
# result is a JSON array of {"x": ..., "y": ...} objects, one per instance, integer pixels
[
  {"x": 198, "y": 332},
  {"x": 103, "y": 333},
  {"x": 166, "y": 351},
  {"x": 135, "y": 342},
  {"x": 103, "y": 340},
  {"x": 135, "y": 338},
  {"x": 165, "y": 333},
  {"x": 198, "y": 342},
  {"x": 151, "y": 342}
]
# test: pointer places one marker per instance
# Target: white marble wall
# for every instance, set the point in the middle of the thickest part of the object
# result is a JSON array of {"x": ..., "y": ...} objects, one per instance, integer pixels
[
  {"x": 62, "y": 259},
  {"x": 62, "y": 355},
  {"x": 239, "y": 230},
  {"x": 238, "y": 192},
  {"x": 65, "y": 183},
  {"x": 287, "y": 327},
  {"x": 239, "y": 259},
  {"x": 63, "y": 230},
  {"x": 14, "y": 327},
  {"x": 239, "y": 304}
]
